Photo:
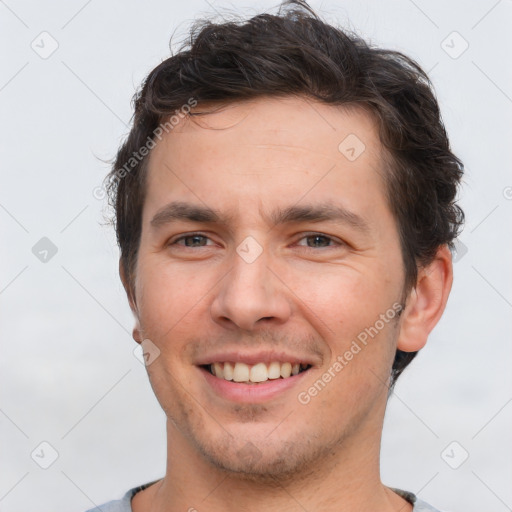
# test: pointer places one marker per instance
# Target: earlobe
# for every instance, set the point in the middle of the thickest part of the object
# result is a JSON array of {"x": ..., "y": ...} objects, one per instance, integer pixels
[
  {"x": 426, "y": 302},
  {"x": 137, "y": 331}
]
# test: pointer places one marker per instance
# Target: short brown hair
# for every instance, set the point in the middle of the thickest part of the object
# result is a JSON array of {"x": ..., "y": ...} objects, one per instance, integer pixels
[{"x": 296, "y": 53}]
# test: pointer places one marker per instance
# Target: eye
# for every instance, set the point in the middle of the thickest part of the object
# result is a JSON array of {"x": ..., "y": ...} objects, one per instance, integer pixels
[
  {"x": 318, "y": 241},
  {"x": 191, "y": 240},
  {"x": 310, "y": 241}
]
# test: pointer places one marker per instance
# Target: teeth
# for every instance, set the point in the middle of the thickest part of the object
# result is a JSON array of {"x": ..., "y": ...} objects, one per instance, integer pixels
[
  {"x": 241, "y": 372},
  {"x": 260, "y": 372},
  {"x": 286, "y": 370},
  {"x": 274, "y": 370},
  {"x": 228, "y": 371},
  {"x": 218, "y": 370}
]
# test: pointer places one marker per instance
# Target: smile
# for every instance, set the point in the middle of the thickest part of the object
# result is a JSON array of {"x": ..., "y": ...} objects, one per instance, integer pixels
[{"x": 256, "y": 373}]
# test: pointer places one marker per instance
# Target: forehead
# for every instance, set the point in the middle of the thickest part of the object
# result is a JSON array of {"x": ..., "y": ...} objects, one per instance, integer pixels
[
  {"x": 294, "y": 123},
  {"x": 268, "y": 151}
]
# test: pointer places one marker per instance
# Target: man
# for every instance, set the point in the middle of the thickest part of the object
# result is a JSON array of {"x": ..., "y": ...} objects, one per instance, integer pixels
[{"x": 284, "y": 208}]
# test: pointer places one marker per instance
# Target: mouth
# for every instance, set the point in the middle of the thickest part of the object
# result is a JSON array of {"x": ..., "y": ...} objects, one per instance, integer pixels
[{"x": 255, "y": 374}]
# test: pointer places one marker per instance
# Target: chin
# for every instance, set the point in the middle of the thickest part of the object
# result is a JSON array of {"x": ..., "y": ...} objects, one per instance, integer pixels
[
  {"x": 256, "y": 467},
  {"x": 269, "y": 463}
]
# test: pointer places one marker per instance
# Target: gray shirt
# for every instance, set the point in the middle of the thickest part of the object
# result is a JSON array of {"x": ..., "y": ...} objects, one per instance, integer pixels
[{"x": 124, "y": 504}]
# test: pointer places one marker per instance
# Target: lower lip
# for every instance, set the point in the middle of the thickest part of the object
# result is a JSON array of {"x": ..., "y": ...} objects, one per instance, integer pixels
[{"x": 251, "y": 393}]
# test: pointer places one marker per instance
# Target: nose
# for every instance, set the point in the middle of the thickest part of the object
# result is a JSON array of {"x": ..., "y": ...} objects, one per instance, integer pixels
[{"x": 250, "y": 295}]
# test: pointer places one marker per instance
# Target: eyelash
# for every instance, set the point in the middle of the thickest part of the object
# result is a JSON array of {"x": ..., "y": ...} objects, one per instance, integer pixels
[{"x": 304, "y": 236}]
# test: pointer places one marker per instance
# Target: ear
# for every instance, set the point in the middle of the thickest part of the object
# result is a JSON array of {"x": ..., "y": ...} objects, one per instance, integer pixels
[
  {"x": 426, "y": 302},
  {"x": 130, "y": 293}
]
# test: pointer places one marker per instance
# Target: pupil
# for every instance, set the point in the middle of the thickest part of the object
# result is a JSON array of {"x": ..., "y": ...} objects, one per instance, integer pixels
[
  {"x": 194, "y": 240},
  {"x": 317, "y": 241}
]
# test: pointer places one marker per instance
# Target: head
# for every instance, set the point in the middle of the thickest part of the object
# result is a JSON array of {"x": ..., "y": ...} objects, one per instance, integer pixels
[{"x": 251, "y": 133}]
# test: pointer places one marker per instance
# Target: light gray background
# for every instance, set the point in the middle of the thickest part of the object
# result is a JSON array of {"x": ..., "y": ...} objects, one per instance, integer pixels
[{"x": 68, "y": 373}]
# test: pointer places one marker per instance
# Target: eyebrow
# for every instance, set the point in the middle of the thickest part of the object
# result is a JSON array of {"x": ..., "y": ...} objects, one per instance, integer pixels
[
  {"x": 319, "y": 213},
  {"x": 179, "y": 210}
]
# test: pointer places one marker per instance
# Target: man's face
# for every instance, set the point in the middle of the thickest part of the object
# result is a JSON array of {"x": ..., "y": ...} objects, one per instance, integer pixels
[{"x": 267, "y": 240}]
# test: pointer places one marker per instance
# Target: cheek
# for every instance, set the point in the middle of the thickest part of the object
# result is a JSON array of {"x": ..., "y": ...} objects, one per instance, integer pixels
[
  {"x": 353, "y": 311},
  {"x": 344, "y": 299},
  {"x": 168, "y": 296}
]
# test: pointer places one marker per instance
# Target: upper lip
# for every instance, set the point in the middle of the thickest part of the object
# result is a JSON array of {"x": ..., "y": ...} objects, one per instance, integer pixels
[{"x": 251, "y": 358}]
